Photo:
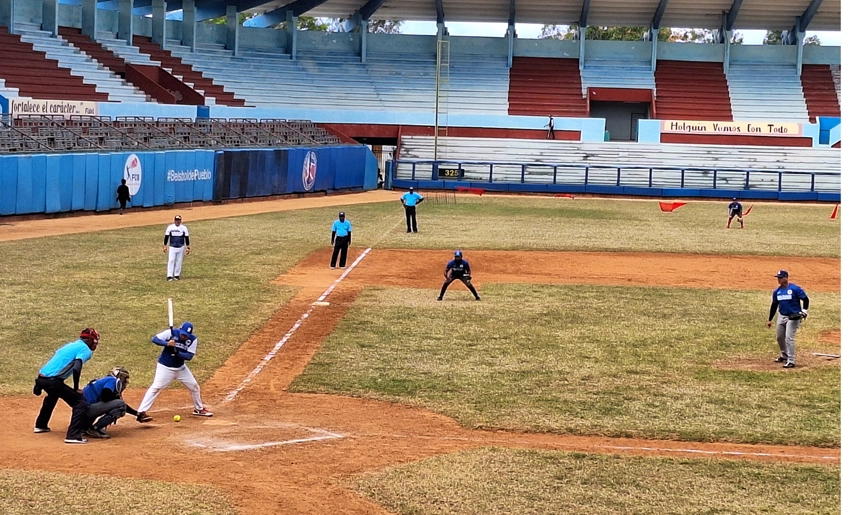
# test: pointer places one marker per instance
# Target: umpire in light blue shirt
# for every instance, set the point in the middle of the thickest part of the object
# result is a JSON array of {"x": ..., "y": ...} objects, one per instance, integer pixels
[
  {"x": 410, "y": 200},
  {"x": 340, "y": 239}
]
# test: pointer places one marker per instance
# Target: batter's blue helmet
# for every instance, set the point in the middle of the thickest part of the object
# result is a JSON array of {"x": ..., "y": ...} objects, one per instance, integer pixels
[
  {"x": 458, "y": 253},
  {"x": 187, "y": 329}
]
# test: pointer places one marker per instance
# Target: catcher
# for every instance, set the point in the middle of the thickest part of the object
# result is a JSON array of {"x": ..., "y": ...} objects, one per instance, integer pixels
[
  {"x": 458, "y": 268},
  {"x": 104, "y": 398}
]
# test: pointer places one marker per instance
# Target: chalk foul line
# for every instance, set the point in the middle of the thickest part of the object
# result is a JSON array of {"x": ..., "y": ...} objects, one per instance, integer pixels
[{"x": 286, "y": 337}]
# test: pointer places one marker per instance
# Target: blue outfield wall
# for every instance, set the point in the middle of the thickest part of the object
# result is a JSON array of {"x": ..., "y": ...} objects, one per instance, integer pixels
[
  {"x": 264, "y": 172},
  {"x": 54, "y": 183}
]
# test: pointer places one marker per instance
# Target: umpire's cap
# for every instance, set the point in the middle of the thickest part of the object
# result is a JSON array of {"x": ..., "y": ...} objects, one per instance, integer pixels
[
  {"x": 341, "y": 214},
  {"x": 458, "y": 254}
]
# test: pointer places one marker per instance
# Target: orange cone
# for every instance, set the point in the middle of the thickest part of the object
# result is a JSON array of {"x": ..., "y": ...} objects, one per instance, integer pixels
[
  {"x": 669, "y": 207},
  {"x": 834, "y": 212}
]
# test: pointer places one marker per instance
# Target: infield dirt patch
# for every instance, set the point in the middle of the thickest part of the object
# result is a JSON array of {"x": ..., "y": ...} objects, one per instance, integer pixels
[{"x": 308, "y": 477}]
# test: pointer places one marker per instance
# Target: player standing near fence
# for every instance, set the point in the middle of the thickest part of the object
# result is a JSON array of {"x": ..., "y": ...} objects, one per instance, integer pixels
[
  {"x": 410, "y": 200},
  {"x": 176, "y": 244}
]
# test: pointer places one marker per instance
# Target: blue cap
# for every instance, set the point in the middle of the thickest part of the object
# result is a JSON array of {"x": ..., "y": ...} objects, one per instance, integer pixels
[
  {"x": 734, "y": 198},
  {"x": 458, "y": 253},
  {"x": 781, "y": 273},
  {"x": 187, "y": 329}
]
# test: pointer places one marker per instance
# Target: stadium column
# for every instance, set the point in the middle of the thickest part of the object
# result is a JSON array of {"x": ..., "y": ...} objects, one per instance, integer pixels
[
  {"x": 582, "y": 32},
  {"x": 291, "y": 33},
  {"x": 158, "y": 18},
  {"x": 190, "y": 14},
  {"x": 90, "y": 18},
  {"x": 801, "y": 36},
  {"x": 654, "y": 46},
  {"x": 125, "y": 20},
  {"x": 233, "y": 29},
  {"x": 7, "y": 14},
  {"x": 727, "y": 47},
  {"x": 50, "y": 17},
  {"x": 364, "y": 33},
  {"x": 510, "y": 35}
]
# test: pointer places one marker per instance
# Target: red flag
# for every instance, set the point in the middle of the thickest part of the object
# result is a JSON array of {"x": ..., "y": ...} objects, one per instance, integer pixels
[
  {"x": 476, "y": 191},
  {"x": 834, "y": 212},
  {"x": 669, "y": 207},
  {"x": 564, "y": 195},
  {"x": 748, "y": 210}
]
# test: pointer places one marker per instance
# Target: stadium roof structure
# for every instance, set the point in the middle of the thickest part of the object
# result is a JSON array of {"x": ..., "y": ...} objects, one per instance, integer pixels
[{"x": 740, "y": 14}]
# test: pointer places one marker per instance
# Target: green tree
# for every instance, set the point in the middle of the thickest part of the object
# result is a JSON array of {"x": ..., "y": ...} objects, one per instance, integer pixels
[
  {"x": 812, "y": 40},
  {"x": 772, "y": 37},
  {"x": 222, "y": 20},
  {"x": 570, "y": 32},
  {"x": 385, "y": 26},
  {"x": 553, "y": 31}
]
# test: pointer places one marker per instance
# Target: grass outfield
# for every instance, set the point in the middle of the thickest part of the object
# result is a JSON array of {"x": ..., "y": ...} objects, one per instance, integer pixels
[
  {"x": 615, "y": 361},
  {"x": 115, "y": 280},
  {"x": 554, "y": 483},
  {"x": 26, "y": 492}
]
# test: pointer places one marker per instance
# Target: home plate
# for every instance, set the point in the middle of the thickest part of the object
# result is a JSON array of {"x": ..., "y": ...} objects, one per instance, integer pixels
[{"x": 321, "y": 303}]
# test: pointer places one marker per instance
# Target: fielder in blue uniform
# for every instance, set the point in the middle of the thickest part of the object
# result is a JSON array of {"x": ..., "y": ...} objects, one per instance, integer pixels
[
  {"x": 340, "y": 239},
  {"x": 68, "y": 361},
  {"x": 793, "y": 305},
  {"x": 735, "y": 210},
  {"x": 410, "y": 200},
  {"x": 104, "y": 398},
  {"x": 458, "y": 268}
]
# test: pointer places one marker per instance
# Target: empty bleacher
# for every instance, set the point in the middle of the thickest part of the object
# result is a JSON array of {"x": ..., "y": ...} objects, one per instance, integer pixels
[
  {"x": 541, "y": 86},
  {"x": 41, "y": 78},
  {"x": 704, "y": 99},
  {"x": 819, "y": 91},
  {"x": 186, "y": 72},
  {"x": 599, "y": 73},
  {"x": 100, "y": 133},
  {"x": 629, "y": 163},
  {"x": 79, "y": 63},
  {"x": 768, "y": 92}
]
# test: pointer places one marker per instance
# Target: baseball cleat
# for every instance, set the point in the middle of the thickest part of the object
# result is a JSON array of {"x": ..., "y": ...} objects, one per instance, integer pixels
[
  {"x": 143, "y": 417},
  {"x": 41, "y": 430},
  {"x": 477, "y": 298},
  {"x": 76, "y": 440},
  {"x": 439, "y": 298},
  {"x": 333, "y": 268},
  {"x": 169, "y": 278},
  {"x": 176, "y": 277},
  {"x": 202, "y": 413},
  {"x": 780, "y": 359},
  {"x": 96, "y": 433},
  {"x": 790, "y": 364}
]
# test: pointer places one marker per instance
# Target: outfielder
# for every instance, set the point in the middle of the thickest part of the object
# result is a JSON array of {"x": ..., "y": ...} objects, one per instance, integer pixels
[
  {"x": 735, "y": 210},
  {"x": 104, "y": 398},
  {"x": 176, "y": 244},
  {"x": 458, "y": 268},
  {"x": 793, "y": 304},
  {"x": 67, "y": 361},
  {"x": 179, "y": 346}
]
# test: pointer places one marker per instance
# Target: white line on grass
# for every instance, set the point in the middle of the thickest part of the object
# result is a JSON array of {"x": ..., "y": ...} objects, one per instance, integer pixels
[{"x": 268, "y": 357}]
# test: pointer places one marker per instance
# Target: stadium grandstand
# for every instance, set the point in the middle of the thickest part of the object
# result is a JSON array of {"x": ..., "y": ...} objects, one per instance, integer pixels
[{"x": 649, "y": 117}]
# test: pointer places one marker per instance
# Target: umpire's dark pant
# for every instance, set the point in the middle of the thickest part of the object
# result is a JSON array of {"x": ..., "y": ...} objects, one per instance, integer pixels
[
  {"x": 341, "y": 249},
  {"x": 56, "y": 389},
  {"x": 464, "y": 280},
  {"x": 410, "y": 215}
]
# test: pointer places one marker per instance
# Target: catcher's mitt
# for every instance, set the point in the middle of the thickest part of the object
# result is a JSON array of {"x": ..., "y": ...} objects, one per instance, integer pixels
[{"x": 143, "y": 417}]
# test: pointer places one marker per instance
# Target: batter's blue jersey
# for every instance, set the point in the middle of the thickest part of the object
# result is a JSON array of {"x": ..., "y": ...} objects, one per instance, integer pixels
[
  {"x": 789, "y": 299},
  {"x": 410, "y": 199},
  {"x": 61, "y": 365},
  {"x": 341, "y": 228},
  {"x": 185, "y": 350}
]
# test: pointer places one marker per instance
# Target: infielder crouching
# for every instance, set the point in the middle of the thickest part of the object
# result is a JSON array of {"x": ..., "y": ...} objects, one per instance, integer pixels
[
  {"x": 179, "y": 346},
  {"x": 458, "y": 269}
]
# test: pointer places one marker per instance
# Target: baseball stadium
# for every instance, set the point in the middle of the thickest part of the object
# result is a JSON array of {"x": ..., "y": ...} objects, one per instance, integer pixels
[{"x": 230, "y": 232}]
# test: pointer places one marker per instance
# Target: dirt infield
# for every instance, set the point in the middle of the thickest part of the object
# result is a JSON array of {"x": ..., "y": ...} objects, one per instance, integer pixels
[{"x": 276, "y": 452}]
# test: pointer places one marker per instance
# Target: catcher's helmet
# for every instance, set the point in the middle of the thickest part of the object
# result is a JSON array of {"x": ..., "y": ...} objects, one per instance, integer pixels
[
  {"x": 90, "y": 334},
  {"x": 122, "y": 374},
  {"x": 187, "y": 329},
  {"x": 458, "y": 254}
]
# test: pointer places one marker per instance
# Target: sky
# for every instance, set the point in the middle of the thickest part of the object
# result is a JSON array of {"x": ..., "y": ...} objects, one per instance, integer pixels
[{"x": 531, "y": 31}]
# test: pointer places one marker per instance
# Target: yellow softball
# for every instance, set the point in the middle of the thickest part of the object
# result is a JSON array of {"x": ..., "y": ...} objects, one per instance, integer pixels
[{"x": 177, "y": 418}]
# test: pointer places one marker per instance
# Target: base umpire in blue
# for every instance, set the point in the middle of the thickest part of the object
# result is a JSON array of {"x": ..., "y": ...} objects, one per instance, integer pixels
[
  {"x": 66, "y": 362},
  {"x": 340, "y": 239},
  {"x": 458, "y": 268},
  {"x": 410, "y": 200}
]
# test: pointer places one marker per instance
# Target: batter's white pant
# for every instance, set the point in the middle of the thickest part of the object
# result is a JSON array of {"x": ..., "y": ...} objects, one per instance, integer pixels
[
  {"x": 175, "y": 260},
  {"x": 163, "y": 377}
]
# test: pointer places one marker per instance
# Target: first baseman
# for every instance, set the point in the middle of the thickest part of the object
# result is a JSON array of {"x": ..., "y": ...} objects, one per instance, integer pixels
[
  {"x": 179, "y": 346},
  {"x": 458, "y": 268},
  {"x": 176, "y": 243},
  {"x": 68, "y": 361},
  {"x": 793, "y": 304},
  {"x": 735, "y": 210}
]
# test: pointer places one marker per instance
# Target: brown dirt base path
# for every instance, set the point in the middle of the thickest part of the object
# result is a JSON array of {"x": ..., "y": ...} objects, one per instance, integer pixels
[{"x": 275, "y": 452}]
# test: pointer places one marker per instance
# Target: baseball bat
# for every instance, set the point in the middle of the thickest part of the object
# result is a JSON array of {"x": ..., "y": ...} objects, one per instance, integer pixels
[
  {"x": 830, "y": 356},
  {"x": 170, "y": 314}
]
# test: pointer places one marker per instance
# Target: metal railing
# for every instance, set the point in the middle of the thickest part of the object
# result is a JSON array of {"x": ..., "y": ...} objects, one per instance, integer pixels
[{"x": 602, "y": 174}]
